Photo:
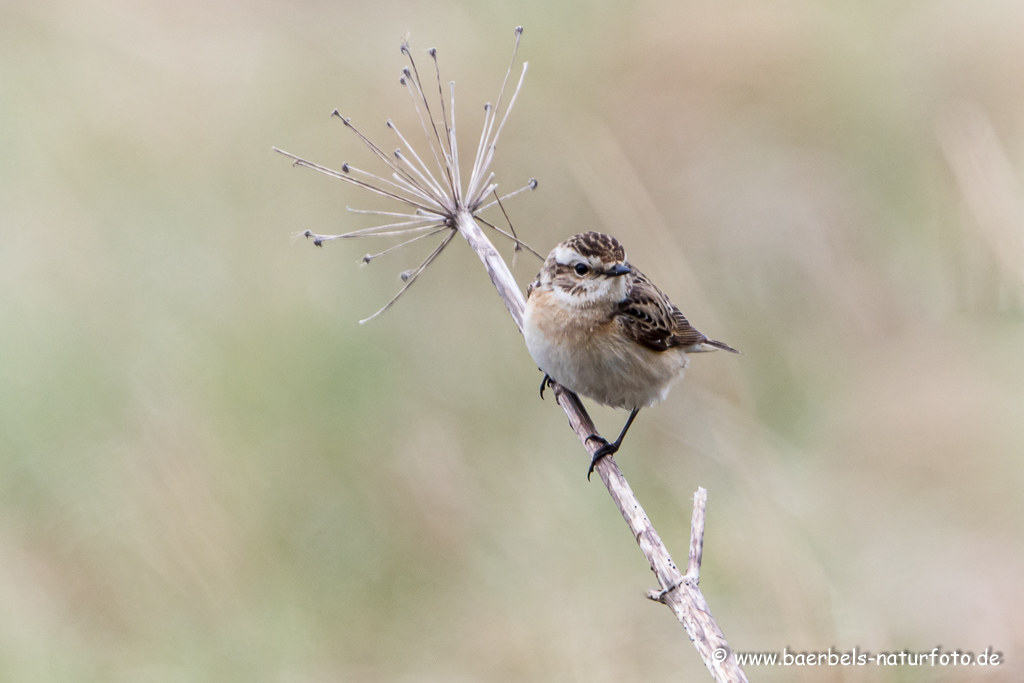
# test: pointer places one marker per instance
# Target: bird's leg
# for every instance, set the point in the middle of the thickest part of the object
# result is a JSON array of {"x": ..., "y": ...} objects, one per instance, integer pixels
[
  {"x": 544, "y": 383},
  {"x": 609, "y": 448}
]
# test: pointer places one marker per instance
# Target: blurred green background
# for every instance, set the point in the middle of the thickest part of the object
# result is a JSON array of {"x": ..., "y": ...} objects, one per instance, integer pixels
[{"x": 210, "y": 472}]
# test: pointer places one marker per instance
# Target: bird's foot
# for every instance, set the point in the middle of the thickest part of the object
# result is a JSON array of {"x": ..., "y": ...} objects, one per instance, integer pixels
[
  {"x": 605, "y": 450},
  {"x": 545, "y": 383}
]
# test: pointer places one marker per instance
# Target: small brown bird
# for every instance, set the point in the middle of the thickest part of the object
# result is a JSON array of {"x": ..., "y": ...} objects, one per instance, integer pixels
[{"x": 597, "y": 326}]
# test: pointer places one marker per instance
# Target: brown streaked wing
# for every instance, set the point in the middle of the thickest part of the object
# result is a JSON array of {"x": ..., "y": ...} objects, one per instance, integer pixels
[{"x": 649, "y": 318}]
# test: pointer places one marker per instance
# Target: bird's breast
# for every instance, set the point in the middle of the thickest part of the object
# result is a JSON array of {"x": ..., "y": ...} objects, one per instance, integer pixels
[{"x": 590, "y": 354}]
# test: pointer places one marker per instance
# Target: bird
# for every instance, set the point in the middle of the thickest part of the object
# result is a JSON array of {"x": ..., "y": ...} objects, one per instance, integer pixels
[{"x": 599, "y": 327}]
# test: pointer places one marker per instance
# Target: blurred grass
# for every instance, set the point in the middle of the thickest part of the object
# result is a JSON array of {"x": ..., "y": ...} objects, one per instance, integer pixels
[{"x": 209, "y": 471}]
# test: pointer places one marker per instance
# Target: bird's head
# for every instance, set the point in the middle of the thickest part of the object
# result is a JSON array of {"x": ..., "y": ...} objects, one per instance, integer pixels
[{"x": 588, "y": 269}]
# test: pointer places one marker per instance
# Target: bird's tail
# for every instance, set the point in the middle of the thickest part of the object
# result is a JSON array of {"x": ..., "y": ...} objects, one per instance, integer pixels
[{"x": 714, "y": 344}]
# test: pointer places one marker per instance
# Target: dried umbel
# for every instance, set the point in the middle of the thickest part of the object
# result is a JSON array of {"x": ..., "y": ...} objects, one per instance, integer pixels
[{"x": 431, "y": 194}]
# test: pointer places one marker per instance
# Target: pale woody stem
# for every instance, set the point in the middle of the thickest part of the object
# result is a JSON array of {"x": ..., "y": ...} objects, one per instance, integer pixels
[
  {"x": 501, "y": 276},
  {"x": 679, "y": 592}
]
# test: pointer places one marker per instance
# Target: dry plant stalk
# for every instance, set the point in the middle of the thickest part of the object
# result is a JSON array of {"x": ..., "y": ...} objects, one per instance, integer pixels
[{"x": 440, "y": 204}]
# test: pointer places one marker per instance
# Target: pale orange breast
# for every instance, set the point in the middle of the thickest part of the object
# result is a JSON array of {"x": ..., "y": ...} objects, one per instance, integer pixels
[
  {"x": 563, "y": 326},
  {"x": 584, "y": 350}
]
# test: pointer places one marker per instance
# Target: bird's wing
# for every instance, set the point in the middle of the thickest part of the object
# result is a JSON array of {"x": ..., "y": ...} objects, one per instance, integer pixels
[{"x": 649, "y": 318}]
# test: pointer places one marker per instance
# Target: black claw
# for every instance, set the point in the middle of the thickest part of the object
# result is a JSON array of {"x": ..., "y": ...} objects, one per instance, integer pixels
[
  {"x": 602, "y": 452},
  {"x": 544, "y": 383},
  {"x": 609, "y": 448}
]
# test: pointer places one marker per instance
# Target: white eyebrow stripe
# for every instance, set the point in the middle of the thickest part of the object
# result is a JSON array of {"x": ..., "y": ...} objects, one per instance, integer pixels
[{"x": 566, "y": 256}]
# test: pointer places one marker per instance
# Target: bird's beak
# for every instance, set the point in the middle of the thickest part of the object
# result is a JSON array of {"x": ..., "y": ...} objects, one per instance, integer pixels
[{"x": 616, "y": 271}]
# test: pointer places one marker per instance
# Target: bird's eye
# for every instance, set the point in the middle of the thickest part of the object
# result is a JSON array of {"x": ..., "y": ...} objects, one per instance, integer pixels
[{"x": 582, "y": 269}]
